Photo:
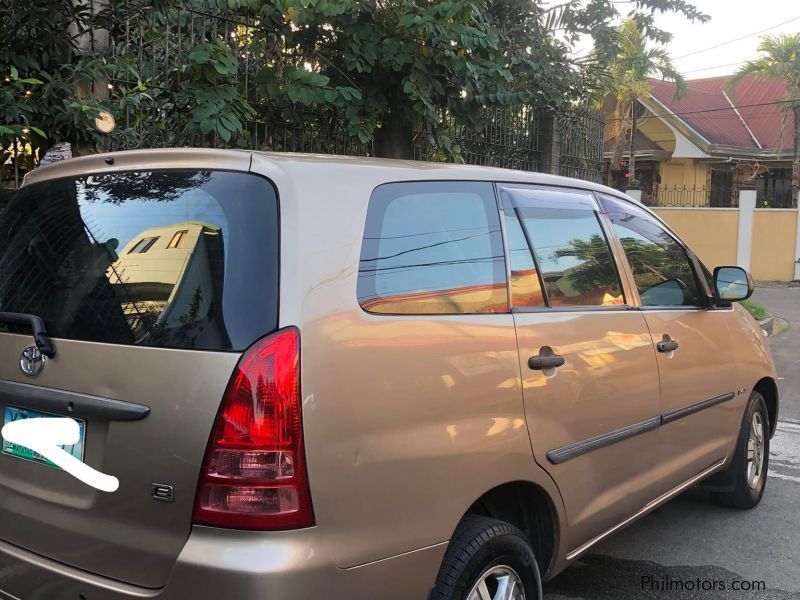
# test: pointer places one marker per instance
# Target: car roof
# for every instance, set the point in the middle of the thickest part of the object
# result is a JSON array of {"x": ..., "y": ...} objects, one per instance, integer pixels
[{"x": 300, "y": 165}]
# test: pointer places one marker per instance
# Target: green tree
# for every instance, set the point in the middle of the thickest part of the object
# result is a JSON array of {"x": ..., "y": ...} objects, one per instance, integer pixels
[
  {"x": 382, "y": 70},
  {"x": 780, "y": 59},
  {"x": 595, "y": 271},
  {"x": 632, "y": 61},
  {"x": 396, "y": 67},
  {"x": 40, "y": 74},
  {"x": 651, "y": 263}
]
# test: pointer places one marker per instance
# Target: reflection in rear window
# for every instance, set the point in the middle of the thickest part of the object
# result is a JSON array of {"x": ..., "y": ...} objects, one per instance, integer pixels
[{"x": 185, "y": 259}]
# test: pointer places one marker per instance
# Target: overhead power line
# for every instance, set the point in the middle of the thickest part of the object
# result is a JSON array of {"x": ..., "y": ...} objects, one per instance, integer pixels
[
  {"x": 736, "y": 64},
  {"x": 712, "y": 110},
  {"x": 738, "y": 39}
]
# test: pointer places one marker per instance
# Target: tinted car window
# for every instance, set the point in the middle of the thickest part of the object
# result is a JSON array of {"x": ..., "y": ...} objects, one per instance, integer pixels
[
  {"x": 570, "y": 247},
  {"x": 661, "y": 269},
  {"x": 526, "y": 287},
  {"x": 433, "y": 248},
  {"x": 184, "y": 259}
]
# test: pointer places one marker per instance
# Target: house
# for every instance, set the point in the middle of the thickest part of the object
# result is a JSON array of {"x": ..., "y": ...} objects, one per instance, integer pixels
[
  {"x": 699, "y": 150},
  {"x": 164, "y": 280}
]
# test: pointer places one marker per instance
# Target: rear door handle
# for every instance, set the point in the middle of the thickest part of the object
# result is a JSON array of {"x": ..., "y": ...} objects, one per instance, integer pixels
[
  {"x": 538, "y": 362},
  {"x": 667, "y": 346}
]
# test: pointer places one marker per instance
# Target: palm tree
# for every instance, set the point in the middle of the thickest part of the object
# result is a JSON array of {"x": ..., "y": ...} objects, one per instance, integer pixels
[
  {"x": 780, "y": 59},
  {"x": 629, "y": 71}
]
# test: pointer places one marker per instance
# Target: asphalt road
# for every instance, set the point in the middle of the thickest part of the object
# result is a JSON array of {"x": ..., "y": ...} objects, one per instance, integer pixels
[{"x": 691, "y": 540}]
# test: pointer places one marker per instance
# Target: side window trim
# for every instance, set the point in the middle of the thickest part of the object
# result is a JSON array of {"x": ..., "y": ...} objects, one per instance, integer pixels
[
  {"x": 629, "y": 289},
  {"x": 620, "y": 261},
  {"x": 539, "y": 309},
  {"x": 536, "y": 264},
  {"x": 506, "y": 250}
]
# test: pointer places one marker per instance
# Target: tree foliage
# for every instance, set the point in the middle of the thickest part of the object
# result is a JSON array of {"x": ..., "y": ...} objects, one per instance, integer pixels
[
  {"x": 39, "y": 74},
  {"x": 631, "y": 62},
  {"x": 780, "y": 59},
  {"x": 373, "y": 69}
]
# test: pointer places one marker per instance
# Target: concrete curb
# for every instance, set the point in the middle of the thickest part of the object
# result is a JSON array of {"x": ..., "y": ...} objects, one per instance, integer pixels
[
  {"x": 768, "y": 325},
  {"x": 773, "y": 325}
]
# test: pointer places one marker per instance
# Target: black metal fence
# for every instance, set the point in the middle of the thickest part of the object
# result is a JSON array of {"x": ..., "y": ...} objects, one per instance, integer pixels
[
  {"x": 580, "y": 133},
  {"x": 688, "y": 197},
  {"x": 712, "y": 197},
  {"x": 154, "y": 47},
  {"x": 506, "y": 137}
]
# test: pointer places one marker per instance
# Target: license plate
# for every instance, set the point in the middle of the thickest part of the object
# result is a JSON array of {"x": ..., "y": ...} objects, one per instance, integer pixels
[{"x": 13, "y": 413}]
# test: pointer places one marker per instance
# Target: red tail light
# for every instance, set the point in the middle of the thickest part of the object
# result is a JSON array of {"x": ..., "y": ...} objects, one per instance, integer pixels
[{"x": 254, "y": 473}]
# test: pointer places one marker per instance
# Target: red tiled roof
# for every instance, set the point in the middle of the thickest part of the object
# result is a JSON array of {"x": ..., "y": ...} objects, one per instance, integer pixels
[{"x": 721, "y": 125}]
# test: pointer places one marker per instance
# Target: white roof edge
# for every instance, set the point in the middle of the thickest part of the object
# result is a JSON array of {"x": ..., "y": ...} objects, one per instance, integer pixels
[{"x": 741, "y": 118}]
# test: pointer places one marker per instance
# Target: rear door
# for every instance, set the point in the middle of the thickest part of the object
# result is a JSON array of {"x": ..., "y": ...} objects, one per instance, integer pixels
[
  {"x": 589, "y": 375},
  {"x": 150, "y": 284}
]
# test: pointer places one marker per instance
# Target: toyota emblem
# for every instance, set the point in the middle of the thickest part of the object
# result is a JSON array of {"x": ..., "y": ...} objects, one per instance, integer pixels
[{"x": 32, "y": 361}]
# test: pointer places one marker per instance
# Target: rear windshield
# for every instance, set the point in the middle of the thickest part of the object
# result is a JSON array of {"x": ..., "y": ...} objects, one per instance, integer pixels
[{"x": 184, "y": 259}]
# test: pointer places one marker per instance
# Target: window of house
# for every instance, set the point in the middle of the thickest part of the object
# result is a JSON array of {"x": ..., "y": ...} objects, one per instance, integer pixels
[
  {"x": 661, "y": 268},
  {"x": 175, "y": 242},
  {"x": 775, "y": 189},
  {"x": 721, "y": 192},
  {"x": 143, "y": 245},
  {"x": 433, "y": 248},
  {"x": 570, "y": 248}
]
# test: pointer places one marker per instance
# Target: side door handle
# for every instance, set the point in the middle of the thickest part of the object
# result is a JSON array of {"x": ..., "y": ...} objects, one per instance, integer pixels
[
  {"x": 667, "y": 346},
  {"x": 539, "y": 362}
]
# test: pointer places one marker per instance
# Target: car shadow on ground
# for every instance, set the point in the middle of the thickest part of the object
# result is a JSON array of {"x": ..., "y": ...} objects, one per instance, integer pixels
[{"x": 598, "y": 577}]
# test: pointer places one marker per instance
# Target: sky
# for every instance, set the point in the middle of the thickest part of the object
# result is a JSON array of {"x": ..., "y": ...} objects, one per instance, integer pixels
[{"x": 730, "y": 19}]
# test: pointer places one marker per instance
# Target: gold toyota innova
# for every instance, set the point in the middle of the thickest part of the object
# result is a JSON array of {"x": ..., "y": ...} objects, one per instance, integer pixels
[{"x": 341, "y": 378}]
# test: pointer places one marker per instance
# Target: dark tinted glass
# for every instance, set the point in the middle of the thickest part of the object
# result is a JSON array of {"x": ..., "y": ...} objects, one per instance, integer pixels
[
  {"x": 433, "y": 248},
  {"x": 570, "y": 247},
  {"x": 661, "y": 269},
  {"x": 92, "y": 257}
]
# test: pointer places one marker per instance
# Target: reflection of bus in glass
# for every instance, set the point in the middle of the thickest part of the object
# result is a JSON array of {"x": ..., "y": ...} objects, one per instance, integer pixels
[{"x": 168, "y": 278}]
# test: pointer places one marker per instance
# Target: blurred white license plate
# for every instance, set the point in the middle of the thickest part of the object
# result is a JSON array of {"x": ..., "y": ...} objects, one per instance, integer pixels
[{"x": 12, "y": 413}]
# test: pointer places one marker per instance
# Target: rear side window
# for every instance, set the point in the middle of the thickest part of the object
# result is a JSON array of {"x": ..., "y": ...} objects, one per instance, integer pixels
[
  {"x": 433, "y": 248},
  {"x": 185, "y": 259},
  {"x": 568, "y": 245}
]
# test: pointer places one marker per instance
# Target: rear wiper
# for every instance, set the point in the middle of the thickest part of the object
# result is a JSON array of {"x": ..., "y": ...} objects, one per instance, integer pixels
[{"x": 43, "y": 343}]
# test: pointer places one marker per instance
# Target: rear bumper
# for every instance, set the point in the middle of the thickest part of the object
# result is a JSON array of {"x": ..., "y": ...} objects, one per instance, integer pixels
[{"x": 218, "y": 563}]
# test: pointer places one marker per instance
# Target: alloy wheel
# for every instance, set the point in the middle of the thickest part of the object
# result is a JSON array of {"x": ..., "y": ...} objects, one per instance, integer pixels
[{"x": 498, "y": 583}]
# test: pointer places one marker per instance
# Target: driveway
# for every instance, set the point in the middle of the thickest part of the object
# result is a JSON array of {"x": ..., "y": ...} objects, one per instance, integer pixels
[{"x": 690, "y": 543}]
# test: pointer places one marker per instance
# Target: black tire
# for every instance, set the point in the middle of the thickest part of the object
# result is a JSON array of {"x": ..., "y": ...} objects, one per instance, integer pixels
[
  {"x": 744, "y": 493},
  {"x": 478, "y": 545}
]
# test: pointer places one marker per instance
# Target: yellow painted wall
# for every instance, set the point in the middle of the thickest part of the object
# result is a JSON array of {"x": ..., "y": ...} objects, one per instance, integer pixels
[
  {"x": 684, "y": 172},
  {"x": 712, "y": 233},
  {"x": 658, "y": 132},
  {"x": 672, "y": 173},
  {"x": 773, "y": 250}
]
